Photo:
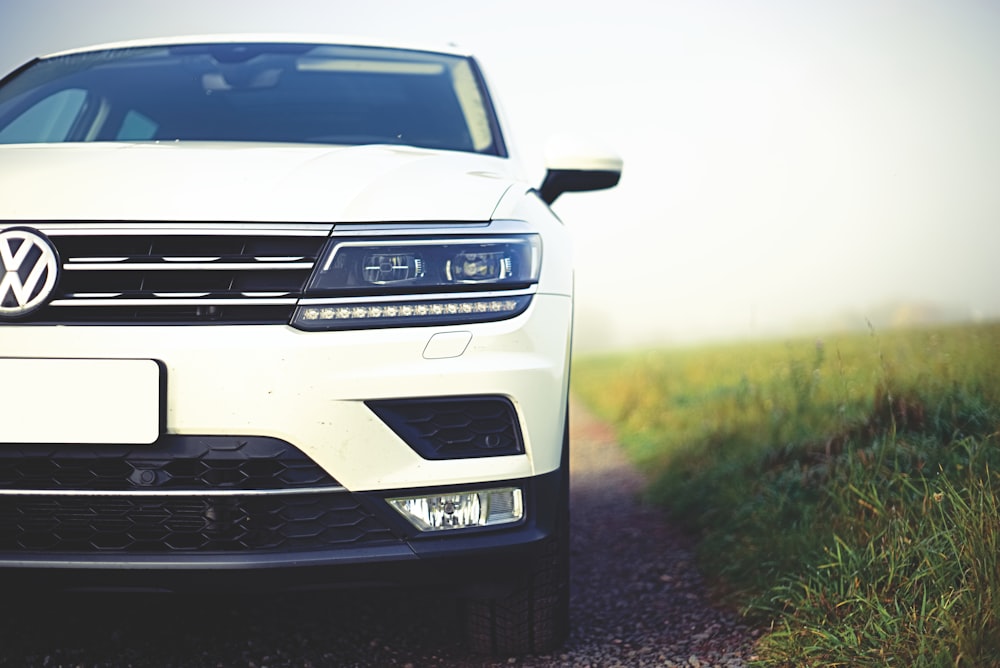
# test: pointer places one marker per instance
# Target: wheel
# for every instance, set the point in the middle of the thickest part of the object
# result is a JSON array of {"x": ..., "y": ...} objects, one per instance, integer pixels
[{"x": 534, "y": 617}]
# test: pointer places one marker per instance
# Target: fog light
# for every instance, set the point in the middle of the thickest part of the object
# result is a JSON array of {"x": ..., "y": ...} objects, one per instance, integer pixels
[{"x": 462, "y": 510}]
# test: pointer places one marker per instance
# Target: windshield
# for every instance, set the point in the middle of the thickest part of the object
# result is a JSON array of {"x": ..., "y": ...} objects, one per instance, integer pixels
[{"x": 300, "y": 93}]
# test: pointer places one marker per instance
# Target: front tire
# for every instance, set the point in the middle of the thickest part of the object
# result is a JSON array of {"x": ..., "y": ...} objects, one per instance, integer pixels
[{"x": 534, "y": 617}]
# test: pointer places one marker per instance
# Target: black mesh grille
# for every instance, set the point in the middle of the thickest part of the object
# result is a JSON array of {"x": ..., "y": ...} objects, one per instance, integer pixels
[
  {"x": 172, "y": 463},
  {"x": 453, "y": 427},
  {"x": 150, "y": 524}
]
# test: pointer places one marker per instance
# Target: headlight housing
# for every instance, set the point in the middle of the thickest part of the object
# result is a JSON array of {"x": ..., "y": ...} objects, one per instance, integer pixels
[{"x": 401, "y": 281}]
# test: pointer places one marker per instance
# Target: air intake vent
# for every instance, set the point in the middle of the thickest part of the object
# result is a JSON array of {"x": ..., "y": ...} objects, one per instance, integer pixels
[{"x": 453, "y": 427}]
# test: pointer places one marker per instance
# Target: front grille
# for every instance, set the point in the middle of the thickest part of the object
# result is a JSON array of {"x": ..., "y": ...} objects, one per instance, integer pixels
[
  {"x": 453, "y": 427},
  {"x": 174, "y": 463},
  {"x": 180, "y": 275},
  {"x": 206, "y": 524}
]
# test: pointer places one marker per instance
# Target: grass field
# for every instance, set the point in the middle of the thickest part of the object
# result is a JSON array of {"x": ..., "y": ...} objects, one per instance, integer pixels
[{"x": 845, "y": 489}]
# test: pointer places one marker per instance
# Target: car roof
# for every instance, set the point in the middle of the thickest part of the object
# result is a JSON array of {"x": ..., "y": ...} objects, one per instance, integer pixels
[{"x": 275, "y": 38}]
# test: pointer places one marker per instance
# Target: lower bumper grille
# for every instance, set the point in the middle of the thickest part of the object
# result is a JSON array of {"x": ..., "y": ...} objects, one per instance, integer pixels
[
  {"x": 172, "y": 524},
  {"x": 201, "y": 463}
]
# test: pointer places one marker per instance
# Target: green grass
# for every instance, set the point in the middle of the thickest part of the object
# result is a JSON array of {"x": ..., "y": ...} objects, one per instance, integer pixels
[{"x": 845, "y": 491}]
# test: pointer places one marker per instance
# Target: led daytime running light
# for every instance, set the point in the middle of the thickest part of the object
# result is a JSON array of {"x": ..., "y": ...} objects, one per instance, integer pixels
[
  {"x": 402, "y": 314},
  {"x": 366, "y": 311}
]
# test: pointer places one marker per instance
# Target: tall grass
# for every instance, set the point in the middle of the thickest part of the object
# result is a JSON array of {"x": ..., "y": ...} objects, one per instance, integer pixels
[{"x": 845, "y": 490}]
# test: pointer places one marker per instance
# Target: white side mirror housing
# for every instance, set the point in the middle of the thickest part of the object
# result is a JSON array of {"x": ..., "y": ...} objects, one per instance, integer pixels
[{"x": 575, "y": 164}]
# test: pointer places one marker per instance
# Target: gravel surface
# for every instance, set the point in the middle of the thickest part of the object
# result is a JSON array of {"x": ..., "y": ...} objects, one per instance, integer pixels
[{"x": 637, "y": 600}]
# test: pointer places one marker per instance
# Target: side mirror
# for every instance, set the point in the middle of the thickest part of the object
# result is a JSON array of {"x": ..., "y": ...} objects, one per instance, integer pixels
[{"x": 577, "y": 165}]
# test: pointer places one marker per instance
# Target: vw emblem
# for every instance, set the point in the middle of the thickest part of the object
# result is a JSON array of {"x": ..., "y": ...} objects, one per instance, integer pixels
[{"x": 29, "y": 269}]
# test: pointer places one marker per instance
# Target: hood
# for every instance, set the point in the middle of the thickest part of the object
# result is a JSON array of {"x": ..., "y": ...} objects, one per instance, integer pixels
[{"x": 196, "y": 181}]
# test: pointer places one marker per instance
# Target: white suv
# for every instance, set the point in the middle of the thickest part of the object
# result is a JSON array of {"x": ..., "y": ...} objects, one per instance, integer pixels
[{"x": 281, "y": 310}]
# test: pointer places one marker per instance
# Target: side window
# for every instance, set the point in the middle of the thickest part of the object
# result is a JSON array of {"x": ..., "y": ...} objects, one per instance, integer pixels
[
  {"x": 49, "y": 120},
  {"x": 137, "y": 127}
]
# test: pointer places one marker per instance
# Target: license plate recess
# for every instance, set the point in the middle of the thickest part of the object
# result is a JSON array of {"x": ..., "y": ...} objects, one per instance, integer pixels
[{"x": 80, "y": 400}]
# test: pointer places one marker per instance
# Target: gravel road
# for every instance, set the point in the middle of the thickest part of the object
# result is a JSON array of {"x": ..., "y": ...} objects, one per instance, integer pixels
[{"x": 637, "y": 600}]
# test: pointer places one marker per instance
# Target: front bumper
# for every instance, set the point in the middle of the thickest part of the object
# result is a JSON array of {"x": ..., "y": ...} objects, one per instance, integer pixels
[{"x": 309, "y": 389}]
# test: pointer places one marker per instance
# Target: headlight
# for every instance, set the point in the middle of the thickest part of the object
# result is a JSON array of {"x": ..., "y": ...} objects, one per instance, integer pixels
[
  {"x": 384, "y": 266},
  {"x": 398, "y": 282}
]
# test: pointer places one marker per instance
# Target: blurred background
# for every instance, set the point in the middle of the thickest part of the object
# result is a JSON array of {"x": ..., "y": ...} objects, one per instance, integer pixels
[{"x": 789, "y": 167}]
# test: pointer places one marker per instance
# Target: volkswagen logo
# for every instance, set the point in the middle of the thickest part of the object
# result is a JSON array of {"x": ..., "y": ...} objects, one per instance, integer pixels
[{"x": 29, "y": 269}]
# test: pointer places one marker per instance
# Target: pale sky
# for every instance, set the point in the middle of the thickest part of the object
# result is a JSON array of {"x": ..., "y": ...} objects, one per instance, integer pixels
[{"x": 786, "y": 163}]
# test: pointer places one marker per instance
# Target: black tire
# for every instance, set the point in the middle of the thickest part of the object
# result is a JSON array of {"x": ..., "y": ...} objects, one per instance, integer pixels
[{"x": 534, "y": 617}]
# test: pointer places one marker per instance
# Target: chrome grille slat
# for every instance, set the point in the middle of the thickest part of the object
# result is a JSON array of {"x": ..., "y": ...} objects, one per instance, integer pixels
[
  {"x": 161, "y": 229},
  {"x": 171, "y": 302},
  {"x": 177, "y": 266},
  {"x": 335, "y": 489}
]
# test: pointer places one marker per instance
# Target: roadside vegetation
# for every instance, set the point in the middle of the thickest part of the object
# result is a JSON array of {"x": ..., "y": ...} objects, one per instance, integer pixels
[{"x": 846, "y": 490}]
